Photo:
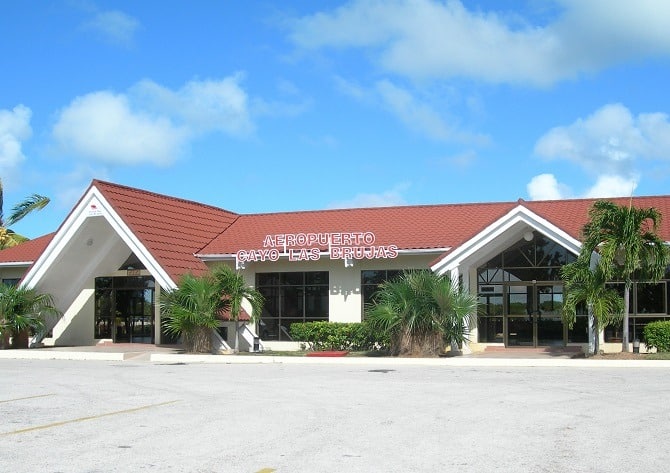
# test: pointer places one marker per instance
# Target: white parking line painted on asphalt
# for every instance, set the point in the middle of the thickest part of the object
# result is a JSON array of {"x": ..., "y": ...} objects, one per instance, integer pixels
[
  {"x": 82, "y": 419},
  {"x": 24, "y": 398}
]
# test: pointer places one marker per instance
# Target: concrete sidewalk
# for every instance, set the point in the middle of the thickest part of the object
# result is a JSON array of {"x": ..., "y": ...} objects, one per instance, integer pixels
[{"x": 174, "y": 354}]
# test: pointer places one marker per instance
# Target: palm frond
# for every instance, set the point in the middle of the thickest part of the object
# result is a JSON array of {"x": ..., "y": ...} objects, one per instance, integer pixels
[{"x": 33, "y": 203}]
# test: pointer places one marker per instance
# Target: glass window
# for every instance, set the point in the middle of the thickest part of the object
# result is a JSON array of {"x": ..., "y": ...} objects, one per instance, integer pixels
[
  {"x": 289, "y": 298},
  {"x": 580, "y": 330},
  {"x": 371, "y": 279},
  {"x": 651, "y": 298}
]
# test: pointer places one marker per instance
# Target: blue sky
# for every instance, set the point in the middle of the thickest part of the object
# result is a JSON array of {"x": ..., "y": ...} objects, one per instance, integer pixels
[{"x": 259, "y": 106}]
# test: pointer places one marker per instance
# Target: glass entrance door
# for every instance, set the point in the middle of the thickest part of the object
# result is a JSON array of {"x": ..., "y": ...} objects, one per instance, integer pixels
[
  {"x": 548, "y": 315},
  {"x": 520, "y": 326},
  {"x": 134, "y": 316},
  {"x": 534, "y": 315}
]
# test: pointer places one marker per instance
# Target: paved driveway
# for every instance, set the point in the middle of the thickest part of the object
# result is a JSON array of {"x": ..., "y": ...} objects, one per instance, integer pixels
[{"x": 127, "y": 416}]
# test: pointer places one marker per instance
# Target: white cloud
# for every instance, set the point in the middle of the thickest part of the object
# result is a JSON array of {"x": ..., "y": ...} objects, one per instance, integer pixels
[
  {"x": 611, "y": 145},
  {"x": 14, "y": 129},
  {"x": 439, "y": 39},
  {"x": 610, "y": 141},
  {"x": 612, "y": 186},
  {"x": 204, "y": 106},
  {"x": 114, "y": 26},
  {"x": 546, "y": 187},
  {"x": 151, "y": 123},
  {"x": 387, "y": 198},
  {"x": 104, "y": 127}
]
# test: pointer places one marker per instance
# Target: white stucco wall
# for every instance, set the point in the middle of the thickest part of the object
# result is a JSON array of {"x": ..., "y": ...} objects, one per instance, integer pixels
[
  {"x": 75, "y": 327},
  {"x": 12, "y": 272}
]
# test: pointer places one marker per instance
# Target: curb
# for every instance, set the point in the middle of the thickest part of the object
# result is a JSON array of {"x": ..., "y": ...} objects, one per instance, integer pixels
[{"x": 460, "y": 361}]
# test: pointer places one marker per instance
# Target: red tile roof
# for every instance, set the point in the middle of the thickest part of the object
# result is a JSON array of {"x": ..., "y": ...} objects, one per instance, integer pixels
[
  {"x": 571, "y": 215},
  {"x": 26, "y": 252},
  {"x": 172, "y": 229},
  {"x": 409, "y": 227}
]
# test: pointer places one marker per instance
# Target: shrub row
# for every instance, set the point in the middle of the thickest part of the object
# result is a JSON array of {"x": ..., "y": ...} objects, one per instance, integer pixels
[
  {"x": 657, "y": 335},
  {"x": 322, "y": 336}
]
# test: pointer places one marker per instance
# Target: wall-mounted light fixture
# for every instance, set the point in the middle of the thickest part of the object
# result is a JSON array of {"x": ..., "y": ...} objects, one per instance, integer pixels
[{"x": 528, "y": 235}]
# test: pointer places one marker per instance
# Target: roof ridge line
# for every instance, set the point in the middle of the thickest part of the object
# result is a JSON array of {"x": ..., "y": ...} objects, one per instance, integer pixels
[{"x": 94, "y": 182}]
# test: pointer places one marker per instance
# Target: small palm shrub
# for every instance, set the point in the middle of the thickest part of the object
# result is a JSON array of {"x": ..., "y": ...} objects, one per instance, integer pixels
[
  {"x": 190, "y": 311},
  {"x": 23, "y": 313}
]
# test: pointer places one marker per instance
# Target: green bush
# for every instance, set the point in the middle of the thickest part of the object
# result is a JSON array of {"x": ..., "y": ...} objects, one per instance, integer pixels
[
  {"x": 322, "y": 336},
  {"x": 657, "y": 335}
]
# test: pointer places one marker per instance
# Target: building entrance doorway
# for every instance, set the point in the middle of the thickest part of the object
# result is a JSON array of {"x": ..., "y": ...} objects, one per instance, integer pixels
[
  {"x": 124, "y": 309},
  {"x": 534, "y": 315}
]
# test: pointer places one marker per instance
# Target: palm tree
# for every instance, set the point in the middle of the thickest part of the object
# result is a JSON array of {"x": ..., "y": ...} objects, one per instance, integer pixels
[
  {"x": 9, "y": 238},
  {"x": 191, "y": 311},
  {"x": 421, "y": 311},
  {"x": 585, "y": 285},
  {"x": 22, "y": 312},
  {"x": 235, "y": 290},
  {"x": 626, "y": 239}
]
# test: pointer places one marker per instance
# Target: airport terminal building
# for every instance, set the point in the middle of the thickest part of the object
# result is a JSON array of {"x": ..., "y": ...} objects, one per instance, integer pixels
[{"x": 106, "y": 263}]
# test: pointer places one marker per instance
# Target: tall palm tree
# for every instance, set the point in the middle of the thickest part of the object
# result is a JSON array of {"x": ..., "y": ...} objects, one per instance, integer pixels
[
  {"x": 191, "y": 311},
  {"x": 9, "y": 238},
  {"x": 22, "y": 312},
  {"x": 421, "y": 311},
  {"x": 626, "y": 239},
  {"x": 585, "y": 285},
  {"x": 235, "y": 290}
]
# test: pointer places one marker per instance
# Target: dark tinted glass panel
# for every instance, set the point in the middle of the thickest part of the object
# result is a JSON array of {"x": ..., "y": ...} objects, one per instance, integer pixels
[
  {"x": 292, "y": 301},
  {"x": 519, "y": 257},
  {"x": 651, "y": 298},
  {"x": 373, "y": 277},
  {"x": 580, "y": 331},
  {"x": 316, "y": 277},
  {"x": 490, "y": 329},
  {"x": 550, "y": 254},
  {"x": 316, "y": 302},
  {"x": 393, "y": 275},
  {"x": 267, "y": 279},
  {"x": 292, "y": 279},
  {"x": 491, "y": 304},
  {"x": 271, "y": 304},
  {"x": 102, "y": 283}
]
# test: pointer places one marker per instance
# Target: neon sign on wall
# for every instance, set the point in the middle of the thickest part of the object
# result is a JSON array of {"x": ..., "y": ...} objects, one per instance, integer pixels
[{"x": 307, "y": 247}]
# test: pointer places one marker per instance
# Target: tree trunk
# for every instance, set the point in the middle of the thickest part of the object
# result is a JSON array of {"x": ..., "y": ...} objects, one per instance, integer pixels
[
  {"x": 591, "y": 330},
  {"x": 422, "y": 344},
  {"x": 4, "y": 340},
  {"x": 20, "y": 339},
  {"x": 626, "y": 308},
  {"x": 198, "y": 341},
  {"x": 592, "y": 334},
  {"x": 237, "y": 336}
]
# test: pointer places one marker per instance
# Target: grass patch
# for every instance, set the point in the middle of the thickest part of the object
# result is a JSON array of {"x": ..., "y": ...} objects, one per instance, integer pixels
[{"x": 658, "y": 356}]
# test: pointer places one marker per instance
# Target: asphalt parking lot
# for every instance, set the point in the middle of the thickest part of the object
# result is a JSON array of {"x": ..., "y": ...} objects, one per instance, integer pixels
[{"x": 125, "y": 416}]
